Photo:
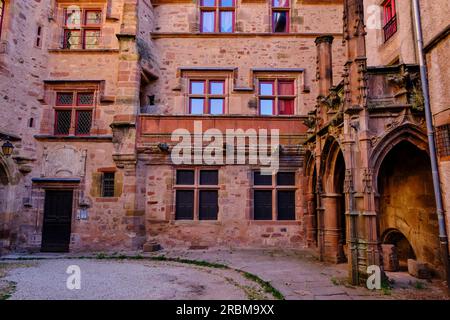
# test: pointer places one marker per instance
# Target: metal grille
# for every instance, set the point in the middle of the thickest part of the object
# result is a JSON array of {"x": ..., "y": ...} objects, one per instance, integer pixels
[
  {"x": 86, "y": 99},
  {"x": 93, "y": 17},
  {"x": 390, "y": 28},
  {"x": 108, "y": 184},
  {"x": 84, "y": 122},
  {"x": 91, "y": 39},
  {"x": 443, "y": 140},
  {"x": 62, "y": 122},
  {"x": 64, "y": 99},
  {"x": 72, "y": 39}
]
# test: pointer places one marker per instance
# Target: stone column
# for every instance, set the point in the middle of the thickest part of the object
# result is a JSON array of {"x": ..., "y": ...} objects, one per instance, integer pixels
[
  {"x": 311, "y": 223},
  {"x": 331, "y": 227},
  {"x": 324, "y": 64}
]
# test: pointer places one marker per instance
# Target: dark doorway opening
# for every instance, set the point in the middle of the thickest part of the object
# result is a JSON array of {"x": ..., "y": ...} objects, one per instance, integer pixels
[
  {"x": 57, "y": 220},
  {"x": 404, "y": 248},
  {"x": 339, "y": 177}
]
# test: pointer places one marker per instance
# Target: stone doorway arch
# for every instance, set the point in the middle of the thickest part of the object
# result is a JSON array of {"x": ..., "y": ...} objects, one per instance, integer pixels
[
  {"x": 403, "y": 248},
  {"x": 333, "y": 202},
  {"x": 406, "y": 203}
]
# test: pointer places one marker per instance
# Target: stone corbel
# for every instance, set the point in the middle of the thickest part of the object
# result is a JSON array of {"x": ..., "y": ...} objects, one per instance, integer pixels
[
  {"x": 24, "y": 164},
  {"x": 125, "y": 161}
]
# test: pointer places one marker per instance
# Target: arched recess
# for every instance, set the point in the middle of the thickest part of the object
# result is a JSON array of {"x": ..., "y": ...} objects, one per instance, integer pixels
[
  {"x": 404, "y": 249},
  {"x": 408, "y": 132},
  {"x": 333, "y": 201},
  {"x": 404, "y": 185}
]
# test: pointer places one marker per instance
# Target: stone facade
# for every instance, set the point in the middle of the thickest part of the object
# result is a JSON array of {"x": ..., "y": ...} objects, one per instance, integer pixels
[{"x": 357, "y": 110}]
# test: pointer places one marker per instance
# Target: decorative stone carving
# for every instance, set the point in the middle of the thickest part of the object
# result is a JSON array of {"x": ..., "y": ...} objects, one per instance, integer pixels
[{"x": 63, "y": 162}]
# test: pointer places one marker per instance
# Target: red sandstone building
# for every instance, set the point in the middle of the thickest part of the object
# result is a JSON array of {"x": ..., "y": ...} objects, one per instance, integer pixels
[{"x": 91, "y": 92}]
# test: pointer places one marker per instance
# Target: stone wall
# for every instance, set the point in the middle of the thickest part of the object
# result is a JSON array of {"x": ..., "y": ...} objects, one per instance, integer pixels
[{"x": 234, "y": 227}]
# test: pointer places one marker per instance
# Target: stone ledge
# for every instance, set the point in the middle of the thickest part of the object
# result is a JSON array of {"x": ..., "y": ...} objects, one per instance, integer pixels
[
  {"x": 106, "y": 50},
  {"x": 161, "y": 35},
  {"x": 93, "y": 138}
]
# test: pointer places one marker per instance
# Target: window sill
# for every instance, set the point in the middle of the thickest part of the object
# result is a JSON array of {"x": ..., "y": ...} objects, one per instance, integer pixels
[
  {"x": 275, "y": 222},
  {"x": 193, "y": 222},
  {"x": 93, "y": 138},
  {"x": 158, "y": 35},
  {"x": 104, "y": 50}
]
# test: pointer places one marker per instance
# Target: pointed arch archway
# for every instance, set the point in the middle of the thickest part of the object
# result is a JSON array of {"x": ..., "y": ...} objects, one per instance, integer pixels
[
  {"x": 405, "y": 196},
  {"x": 311, "y": 194},
  {"x": 333, "y": 201}
]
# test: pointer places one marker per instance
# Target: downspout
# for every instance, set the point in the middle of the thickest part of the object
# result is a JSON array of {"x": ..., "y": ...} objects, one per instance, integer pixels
[{"x": 430, "y": 132}]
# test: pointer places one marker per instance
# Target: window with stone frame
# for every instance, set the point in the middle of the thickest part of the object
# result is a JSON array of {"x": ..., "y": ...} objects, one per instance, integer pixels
[
  {"x": 207, "y": 96},
  {"x": 389, "y": 19},
  {"x": 196, "y": 194},
  {"x": 217, "y": 16},
  {"x": 108, "y": 184},
  {"x": 2, "y": 13},
  {"x": 73, "y": 113},
  {"x": 274, "y": 196},
  {"x": 82, "y": 28},
  {"x": 280, "y": 16},
  {"x": 276, "y": 96}
]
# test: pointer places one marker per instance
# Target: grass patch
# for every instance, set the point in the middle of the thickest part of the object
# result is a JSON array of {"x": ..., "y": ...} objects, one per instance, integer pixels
[
  {"x": 335, "y": 281},
  {"x": 267, "y": 286},
  {"x": 419, "y": 285},
  {"x": 386, "y": 287}
]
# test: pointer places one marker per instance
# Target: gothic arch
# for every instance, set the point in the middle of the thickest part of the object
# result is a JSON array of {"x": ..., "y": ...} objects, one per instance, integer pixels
[
  {"x": 330, "y": 155},
  {"x": 408, "y": 132}
]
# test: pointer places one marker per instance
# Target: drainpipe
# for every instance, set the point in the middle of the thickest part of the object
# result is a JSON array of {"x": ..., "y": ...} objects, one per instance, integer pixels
[{"x": 430, "y": 132}]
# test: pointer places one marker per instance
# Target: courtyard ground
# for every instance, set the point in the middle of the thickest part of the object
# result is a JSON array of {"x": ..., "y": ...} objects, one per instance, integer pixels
[{"x": 195, "y": 275}]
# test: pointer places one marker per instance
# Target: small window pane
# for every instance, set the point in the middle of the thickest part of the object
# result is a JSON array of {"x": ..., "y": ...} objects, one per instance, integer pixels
[
  {"x": 286, "y": 178},
  {"x": 216, "y": 106},
  {"x": 85, "y": 99},
  {"x": 64, "y": 99},
  {"x": 280, "y": 21},
  {"x": 266, "y": 89},
  {"x": 226, "y": 21},
  {"x": 262, "y": 205},
  {"x": 281, "y": 3},
  {"x": 209, "y": 177},
  {"x": 185, "y": 177},
  {"x": 227, "y": 3},
  {"x": 184, "y": 207},
  {"x": 208, "y": 206},
  {"x": 84, "y": 122},
  {"x": 216, "y": 87},
  {"x": 286, "y": 88},
  {"x": 197, "y": 106},
  {"x": 92, "y": 39},
  {"x": 197, "y": 87},
  {"x": 266, "y": 107},
  {"x": 208, "y": 21},
  {"x": 286, "y": 205},
  {"x": 108, "y": 184},
  {"x": 93, "y": 17},
  {"x": 73, "y": 19},
  {"x": 286, "y": 106},
  {"x": 262, "y": 179},
  {"x": 72, "y": 39},
  {"x": 62, "y": 122},
  {"x": 208, "y": 3}
]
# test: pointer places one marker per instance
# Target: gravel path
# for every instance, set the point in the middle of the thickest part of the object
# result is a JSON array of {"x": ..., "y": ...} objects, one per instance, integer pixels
[{"x": 116, "y": 279}]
